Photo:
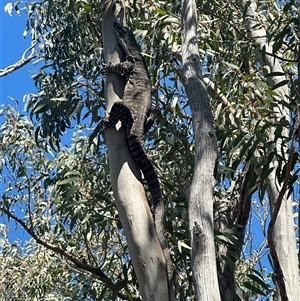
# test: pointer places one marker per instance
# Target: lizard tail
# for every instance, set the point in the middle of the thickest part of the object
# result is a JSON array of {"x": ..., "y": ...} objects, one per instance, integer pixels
[
  {"x": 145, "y": 165},
  {"x": 150, "y": 175}
]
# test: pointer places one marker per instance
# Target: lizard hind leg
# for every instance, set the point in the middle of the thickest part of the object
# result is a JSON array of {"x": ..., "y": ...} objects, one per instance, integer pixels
[{"x": 118, "y": 112}]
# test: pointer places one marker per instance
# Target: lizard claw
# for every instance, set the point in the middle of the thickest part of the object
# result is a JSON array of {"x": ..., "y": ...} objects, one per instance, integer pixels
[
  {"x": 105, "y": 68},
  {"x": 148, "y": 124}
]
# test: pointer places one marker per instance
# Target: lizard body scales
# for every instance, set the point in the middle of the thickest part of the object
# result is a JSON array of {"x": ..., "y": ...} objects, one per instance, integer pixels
[{"x": 133, "y": 111}]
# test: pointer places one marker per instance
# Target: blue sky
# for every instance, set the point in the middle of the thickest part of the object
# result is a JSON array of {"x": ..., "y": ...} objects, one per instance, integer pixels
[
  {"x": 13, "y": 45},
  {"x": 16, "y": 84}
]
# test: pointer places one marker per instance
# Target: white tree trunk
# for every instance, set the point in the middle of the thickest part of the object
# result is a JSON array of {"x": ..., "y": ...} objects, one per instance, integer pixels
[
  {"x": 201, "y": 191},
  {"x": 283, "y": 234},
  {"x": 144, "y": 246}
]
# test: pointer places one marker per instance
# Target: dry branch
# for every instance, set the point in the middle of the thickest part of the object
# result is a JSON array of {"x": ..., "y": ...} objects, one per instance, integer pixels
[{"x": 22, "y": 62}]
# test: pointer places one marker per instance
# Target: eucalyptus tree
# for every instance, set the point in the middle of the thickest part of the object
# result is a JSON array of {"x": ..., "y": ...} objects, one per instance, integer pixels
[{"x": 245, "y": 56}]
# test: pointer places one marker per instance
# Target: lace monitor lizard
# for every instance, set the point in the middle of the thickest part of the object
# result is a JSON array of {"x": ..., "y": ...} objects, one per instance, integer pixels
[{"x": 133, "y": 111}]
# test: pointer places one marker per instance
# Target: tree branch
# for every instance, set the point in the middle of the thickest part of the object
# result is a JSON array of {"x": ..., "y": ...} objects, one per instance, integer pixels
[
  {"x": 200, "y": 198},
  {"x": 284, "y": 271},
  {"x": 225, "y": 21},
  {"x": 22, "y": 62},
  {"x": 84, "y": 266},
  {"x": 277, "y": 268}
]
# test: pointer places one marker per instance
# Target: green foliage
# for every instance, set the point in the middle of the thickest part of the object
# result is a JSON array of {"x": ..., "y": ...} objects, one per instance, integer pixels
[
  {"x": 30, "y": 272},
  {"x": 65, "y": 202},
  {"x": 68, "y": 82}
]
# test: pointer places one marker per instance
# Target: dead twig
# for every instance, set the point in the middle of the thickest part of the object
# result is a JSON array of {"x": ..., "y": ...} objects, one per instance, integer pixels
[{"x": 22, "y": 62}]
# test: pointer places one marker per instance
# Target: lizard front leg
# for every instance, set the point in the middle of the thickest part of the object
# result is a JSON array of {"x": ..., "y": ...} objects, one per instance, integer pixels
[
  {"x": 149, "y": 121},
  {"x": 123, "y": 68}
]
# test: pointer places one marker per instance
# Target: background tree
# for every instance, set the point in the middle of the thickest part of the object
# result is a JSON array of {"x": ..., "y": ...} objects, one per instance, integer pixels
[{"x": 61, "y": 195}]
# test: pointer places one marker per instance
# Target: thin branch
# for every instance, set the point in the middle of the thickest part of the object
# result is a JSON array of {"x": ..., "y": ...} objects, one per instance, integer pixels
[
  {"x": 225, "y": 21},
  {"x": 277, "y": 268},
  {"x": 244, "y": 36},
  {"x": 279, "y": 57},
  {"x": 215, "y": 92},
  {"x": 28, "y": 203},
  {"x": 92, "y": 22},
  {"x": 22, "y": 62},
  {"x": 82, "y": 265}
]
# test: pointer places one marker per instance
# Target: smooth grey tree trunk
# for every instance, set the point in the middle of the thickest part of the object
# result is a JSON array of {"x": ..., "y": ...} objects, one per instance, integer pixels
[
  {"x": 284, "y": 233},
  {"x": 200, "y": 199},
  {"x": 135, "y": 215}
]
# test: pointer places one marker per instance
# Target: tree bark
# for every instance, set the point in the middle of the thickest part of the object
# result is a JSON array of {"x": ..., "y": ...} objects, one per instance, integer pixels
[
  {"x": 229, "y": 212},
  {"x": 22, "y": 62},
  {"x": 283, "y": 234},
  {"x": 201, "y": 191},
  {"x": 135, "y": 215}
]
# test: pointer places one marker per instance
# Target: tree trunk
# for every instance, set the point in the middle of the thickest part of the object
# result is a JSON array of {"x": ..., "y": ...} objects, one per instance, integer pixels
[
  {"x": 135, "y": 215},
  {"x": 201, "y": 191},
  {"x": 283, "y": 234}
]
